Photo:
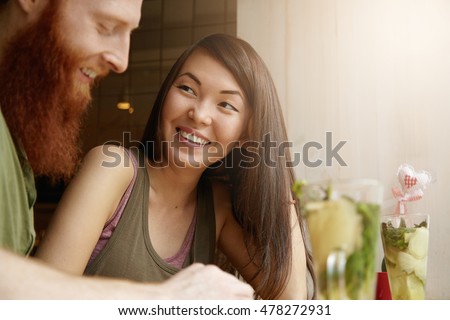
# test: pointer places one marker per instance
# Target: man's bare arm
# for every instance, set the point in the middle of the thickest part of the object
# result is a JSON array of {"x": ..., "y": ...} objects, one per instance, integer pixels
[{"x": 28, "y": 278}]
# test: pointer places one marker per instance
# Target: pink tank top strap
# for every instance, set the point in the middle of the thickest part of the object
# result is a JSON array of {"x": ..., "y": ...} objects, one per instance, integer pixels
[{"x": 178, "y": 259}]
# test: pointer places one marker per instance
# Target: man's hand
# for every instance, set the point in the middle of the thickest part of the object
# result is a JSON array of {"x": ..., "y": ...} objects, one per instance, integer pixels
[{"x": 203, "y": 282}]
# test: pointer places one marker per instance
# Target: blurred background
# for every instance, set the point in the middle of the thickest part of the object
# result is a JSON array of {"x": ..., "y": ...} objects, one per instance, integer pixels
[{"x": 374, "y": 73}]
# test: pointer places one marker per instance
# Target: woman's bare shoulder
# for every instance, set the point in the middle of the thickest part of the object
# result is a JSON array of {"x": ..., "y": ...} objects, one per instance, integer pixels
[
  {"x": 108, "y": 164},
  {"x": 109, "y": 157}
]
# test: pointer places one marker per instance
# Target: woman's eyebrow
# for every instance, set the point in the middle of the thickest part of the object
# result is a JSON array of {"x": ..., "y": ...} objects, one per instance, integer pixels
[
  {"x": 190, "y": 75},
  {"x": 235, "y": 92}
]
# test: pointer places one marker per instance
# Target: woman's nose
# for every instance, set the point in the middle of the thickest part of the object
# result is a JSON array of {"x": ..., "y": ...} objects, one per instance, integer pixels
[{"x": 200, "y": 114}]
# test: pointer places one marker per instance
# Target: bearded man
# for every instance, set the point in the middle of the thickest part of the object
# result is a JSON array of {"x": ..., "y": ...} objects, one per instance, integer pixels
[
  {"x": 51, "y": 54},
  {"x": 43, "y": 97}
]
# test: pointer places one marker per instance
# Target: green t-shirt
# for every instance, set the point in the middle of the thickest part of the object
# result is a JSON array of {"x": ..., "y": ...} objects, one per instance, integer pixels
[{"x": 17, "y": 195}]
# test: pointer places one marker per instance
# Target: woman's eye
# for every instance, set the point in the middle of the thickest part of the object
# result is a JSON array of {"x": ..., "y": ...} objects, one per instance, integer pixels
[
  {"x": 186, "y": 89},
  {"x": 228, "y": 106}
]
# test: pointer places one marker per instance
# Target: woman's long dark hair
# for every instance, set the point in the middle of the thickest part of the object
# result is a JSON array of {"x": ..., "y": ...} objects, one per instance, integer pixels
[{"x": 259, "y": 173}]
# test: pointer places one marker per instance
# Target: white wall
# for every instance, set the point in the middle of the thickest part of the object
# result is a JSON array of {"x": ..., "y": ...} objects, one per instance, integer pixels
[{"x": 375, "y": 73}]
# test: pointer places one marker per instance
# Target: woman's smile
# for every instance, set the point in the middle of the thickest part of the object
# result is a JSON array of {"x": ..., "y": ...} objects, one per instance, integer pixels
[{"x": 191, "y": 137}]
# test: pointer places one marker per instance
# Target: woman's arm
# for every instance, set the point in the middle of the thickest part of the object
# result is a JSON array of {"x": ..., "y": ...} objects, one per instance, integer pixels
[
  {"x": 89, "y": 201},
  {"x": 231, "y": 242}
]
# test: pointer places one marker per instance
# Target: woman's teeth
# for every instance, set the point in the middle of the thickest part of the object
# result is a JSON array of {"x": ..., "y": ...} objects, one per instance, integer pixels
[{"x": 193, "y": 138}]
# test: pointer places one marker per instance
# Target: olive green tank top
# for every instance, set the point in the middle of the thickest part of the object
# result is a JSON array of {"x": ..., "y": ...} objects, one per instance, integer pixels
[{"x": 129, "y": 252}]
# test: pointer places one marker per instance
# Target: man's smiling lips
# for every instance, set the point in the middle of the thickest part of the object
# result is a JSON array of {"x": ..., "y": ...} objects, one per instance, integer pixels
[{"x": 88, "y": 73}]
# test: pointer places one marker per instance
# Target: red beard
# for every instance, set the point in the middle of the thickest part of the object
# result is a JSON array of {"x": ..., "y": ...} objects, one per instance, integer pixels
[{"x": 41, "y": 100}]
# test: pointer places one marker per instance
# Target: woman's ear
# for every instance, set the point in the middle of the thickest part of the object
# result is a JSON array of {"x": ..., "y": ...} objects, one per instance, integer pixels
[
  {"x": 243, "y": 137},
  {"x": 243, "y": 141}
]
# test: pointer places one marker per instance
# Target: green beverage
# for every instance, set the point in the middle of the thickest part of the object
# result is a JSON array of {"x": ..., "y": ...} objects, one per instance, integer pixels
[
  {"x": 343, "y": 223},
  {"x": 405, "y": 242}
]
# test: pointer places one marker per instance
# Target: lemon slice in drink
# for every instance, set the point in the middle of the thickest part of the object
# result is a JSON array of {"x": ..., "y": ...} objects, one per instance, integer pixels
[
  {"x": 407, "y": 262},
  {"x": 415, "y": 288},
  {"x": 418, "y": 243}
]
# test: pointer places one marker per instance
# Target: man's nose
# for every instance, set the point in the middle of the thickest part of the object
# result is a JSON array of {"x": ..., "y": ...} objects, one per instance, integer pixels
[{"x": 118, "y": 54}]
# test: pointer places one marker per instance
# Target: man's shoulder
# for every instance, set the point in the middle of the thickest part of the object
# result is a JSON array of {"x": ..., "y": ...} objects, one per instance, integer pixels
[{"x": 4, "y": 131}]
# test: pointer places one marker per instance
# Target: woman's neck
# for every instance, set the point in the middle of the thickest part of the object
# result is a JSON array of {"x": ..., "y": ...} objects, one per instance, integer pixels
[{"x": 173, "y": 187}]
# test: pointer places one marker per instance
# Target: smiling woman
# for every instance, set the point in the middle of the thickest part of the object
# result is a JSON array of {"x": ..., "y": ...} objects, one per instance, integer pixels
[
  {"x": 188, "y": 191},
  {"x": 203, "y": 108}
]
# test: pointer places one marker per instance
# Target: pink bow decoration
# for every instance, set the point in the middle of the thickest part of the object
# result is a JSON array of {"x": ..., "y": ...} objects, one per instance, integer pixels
[{"x": 413, "y": 184}]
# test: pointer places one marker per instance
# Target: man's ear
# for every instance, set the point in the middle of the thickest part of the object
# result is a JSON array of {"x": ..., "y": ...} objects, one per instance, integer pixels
[{"x": 33, "y": 8}]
